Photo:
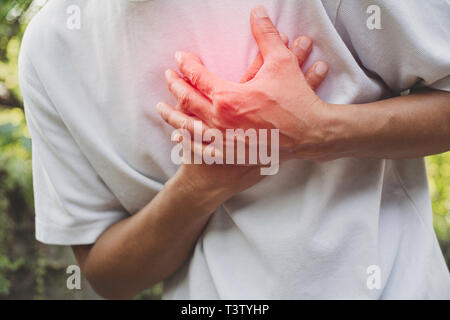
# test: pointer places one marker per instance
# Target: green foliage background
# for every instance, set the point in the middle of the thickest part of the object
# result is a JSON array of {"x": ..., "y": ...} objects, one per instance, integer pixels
[{"x": 30, "y": 270}]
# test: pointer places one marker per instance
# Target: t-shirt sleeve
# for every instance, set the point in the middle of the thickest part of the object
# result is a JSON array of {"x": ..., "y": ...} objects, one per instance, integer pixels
[
  {"x": 405, "y": 43},
  {"x": 73, "y": 205}
]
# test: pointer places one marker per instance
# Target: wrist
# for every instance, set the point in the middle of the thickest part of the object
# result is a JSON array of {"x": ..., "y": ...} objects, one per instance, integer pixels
[
  {"x": 202, "y": 197},
  {"x": 340, "y": 130},
  {"x": 351, "y": 130}
]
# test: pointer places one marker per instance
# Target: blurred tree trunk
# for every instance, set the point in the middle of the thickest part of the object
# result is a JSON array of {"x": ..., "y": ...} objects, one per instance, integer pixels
[{"x": 7, "y": 99}]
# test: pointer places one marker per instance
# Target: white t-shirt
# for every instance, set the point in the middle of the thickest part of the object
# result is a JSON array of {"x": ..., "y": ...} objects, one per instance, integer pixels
[{"x": 314, "y": 230}]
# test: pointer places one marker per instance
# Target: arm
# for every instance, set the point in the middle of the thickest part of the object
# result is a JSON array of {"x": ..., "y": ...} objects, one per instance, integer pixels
[
  {"x": 144, "y": 249},
  {"x": 409, "y": 126}
]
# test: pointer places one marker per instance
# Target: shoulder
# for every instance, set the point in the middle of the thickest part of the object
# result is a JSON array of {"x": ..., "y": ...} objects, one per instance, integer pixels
[
  {"x": 411, "y": 14},
  {"x": 45, "y": 28},
  {"x": 403, "y": 26},
  {"x": 405, "y": 42},
  {"x": 55, "y": 31}
]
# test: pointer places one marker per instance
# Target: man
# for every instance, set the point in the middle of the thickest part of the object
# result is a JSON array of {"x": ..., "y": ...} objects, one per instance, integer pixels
[{"x": 314, "y": 230}]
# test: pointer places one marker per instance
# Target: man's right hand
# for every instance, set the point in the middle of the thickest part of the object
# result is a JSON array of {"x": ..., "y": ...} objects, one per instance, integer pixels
[
  {"x": 152, "y": 244},
  {"x": 223, "y": 181}
]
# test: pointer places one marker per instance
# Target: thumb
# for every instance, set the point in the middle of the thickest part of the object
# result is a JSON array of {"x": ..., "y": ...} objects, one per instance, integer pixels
[
  {"x": 259, "y": 61},
  {"x": 265, "y": 33}
]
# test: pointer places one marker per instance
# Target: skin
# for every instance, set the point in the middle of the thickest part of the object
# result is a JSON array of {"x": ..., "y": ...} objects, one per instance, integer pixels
[
  {"x": 149, "y": 246},
  {"x": 278, "y": 96}
]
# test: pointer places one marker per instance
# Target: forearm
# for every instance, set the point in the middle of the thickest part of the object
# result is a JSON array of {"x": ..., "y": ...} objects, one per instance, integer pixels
[
  {"x": 146, "y": 248},
  {"x": 409, "y": 126}
]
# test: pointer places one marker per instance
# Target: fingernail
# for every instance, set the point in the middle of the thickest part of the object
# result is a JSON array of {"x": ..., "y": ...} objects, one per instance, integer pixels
[
  {"x": 260, "y": 12},
  {"x": 321, "y": 68},
  {"x": 178, "y": 56},
  {"x": 159, "y": 107},
  {"x": 304, "y": 43},
  {"x": 168, "y": 74}
]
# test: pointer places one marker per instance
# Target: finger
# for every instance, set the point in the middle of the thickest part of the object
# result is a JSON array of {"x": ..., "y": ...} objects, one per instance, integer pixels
[
  {"x": 189, "y": 146},
  {"x": 254, "y": 68},
  {"x": 209, "y": 151},
  {"x": 316, "y": 74},
  {"x": 180, "y": 120},
  {"x": 265, "y": 33},
  {"x": 189, "y": 99},
  {"x": 197, "y": 74},
  {"x": 301, "y": 47},
  {"x": 259, "y": 61}
]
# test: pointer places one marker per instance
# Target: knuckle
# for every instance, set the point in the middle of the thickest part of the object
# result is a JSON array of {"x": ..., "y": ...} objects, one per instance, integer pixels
[
  {"x": 286, "y": 58},
  {"x": 223, "y": 106},
  {"x": 182, "y": 65},
  {"x": 184, "y": 124},
  {"x": 267, "y": 27},
  {"x": 184, "y": 100},
  {"x": 195, "y": 78},
  {"x": 283, "y": 60},
  {"x": 226, "y": 106}
]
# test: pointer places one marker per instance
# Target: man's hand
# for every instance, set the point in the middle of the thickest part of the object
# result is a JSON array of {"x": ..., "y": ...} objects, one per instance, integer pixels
[
  {"x": 273, "y": 94},
  {"x": 280, "y": 96}
]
